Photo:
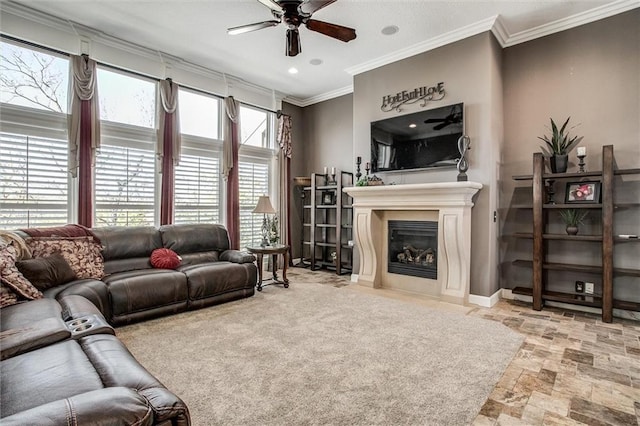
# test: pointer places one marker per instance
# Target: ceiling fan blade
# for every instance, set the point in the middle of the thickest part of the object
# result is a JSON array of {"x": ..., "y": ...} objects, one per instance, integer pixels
[
  {"x": 251, "y": 27},
  {"x": 441, "y": 126},
  {"x": 332, "y": 30},
  {"x": 271, "y": 4},
  {"x": 435, "y": 120},
  {"x": 293, "y": 42},
  {"x": 311, "y": 6}
]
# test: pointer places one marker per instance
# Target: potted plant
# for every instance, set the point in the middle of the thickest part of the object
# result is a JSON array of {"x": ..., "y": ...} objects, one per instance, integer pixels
[
  {"x": 572, "y": 218},
  {"x": 558, "y": 146}
]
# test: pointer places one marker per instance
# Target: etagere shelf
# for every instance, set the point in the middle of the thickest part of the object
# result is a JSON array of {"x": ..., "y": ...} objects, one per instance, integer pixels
[
  {"x": 328, "y": 223},
  {"x": 541, "y": 264}
]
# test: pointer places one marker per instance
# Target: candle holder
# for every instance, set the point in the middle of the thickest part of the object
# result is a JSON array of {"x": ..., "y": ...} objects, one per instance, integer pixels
[
  {"x": 358, "y": 174},
  {"x": 581, "y": 163},
  {"x": 367, "y": 167}
]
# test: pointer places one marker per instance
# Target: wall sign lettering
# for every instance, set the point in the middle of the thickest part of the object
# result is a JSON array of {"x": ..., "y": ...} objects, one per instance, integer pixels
[{"x": 424, "y": 94}]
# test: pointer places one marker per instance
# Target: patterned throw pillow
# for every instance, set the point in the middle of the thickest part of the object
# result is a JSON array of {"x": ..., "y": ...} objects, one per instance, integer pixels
[
  {"x": 83, "y": 254},
  {"x": 11, "y": 276},
  {"x": 7, "y": 297}
]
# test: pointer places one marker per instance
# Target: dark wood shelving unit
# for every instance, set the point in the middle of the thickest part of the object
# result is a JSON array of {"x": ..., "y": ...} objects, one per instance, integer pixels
[
  {"x": 541, "y": 265},
  {"x": 328, "y": 225}
]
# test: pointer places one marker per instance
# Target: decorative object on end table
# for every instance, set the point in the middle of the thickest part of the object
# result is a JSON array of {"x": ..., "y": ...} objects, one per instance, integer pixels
[
  {"x": 274, "y": 231},
  {"x": 559, "y": 145},
  {"x": 572, "y": 218},
  {"x": 264, "y": 206},
  {"x": 582, "y": 192}
]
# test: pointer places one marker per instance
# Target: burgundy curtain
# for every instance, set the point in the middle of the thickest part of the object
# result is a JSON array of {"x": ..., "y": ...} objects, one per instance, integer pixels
[
  {"x": 168, "y": 146},
  {"x": 84, "y": 132},
  {"x": 85, "y": 169},
  {"x": 284, "y": 142},
  {"x": 230, "y": 169}
]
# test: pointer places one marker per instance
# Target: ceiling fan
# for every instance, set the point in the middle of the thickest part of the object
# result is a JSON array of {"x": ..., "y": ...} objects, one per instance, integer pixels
[
  {"x": 294, "y": 13},
  {"x": 454, "y": 117}
]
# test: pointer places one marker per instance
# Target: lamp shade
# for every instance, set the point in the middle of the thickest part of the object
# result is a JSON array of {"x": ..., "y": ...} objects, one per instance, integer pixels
[{"x": 264, "y": 205}]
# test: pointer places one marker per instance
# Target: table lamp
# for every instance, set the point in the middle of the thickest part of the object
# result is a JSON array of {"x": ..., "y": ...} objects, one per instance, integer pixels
[{"x": 264, "y": 206}]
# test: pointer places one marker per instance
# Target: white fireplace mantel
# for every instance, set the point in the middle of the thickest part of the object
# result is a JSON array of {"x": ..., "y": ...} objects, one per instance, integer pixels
[{"x": 451, "y": 200}]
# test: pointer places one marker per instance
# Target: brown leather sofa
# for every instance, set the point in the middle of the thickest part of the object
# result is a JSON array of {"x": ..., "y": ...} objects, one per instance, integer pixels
[
  {"x": 133, "y": 290},
  {"x": 62, "y": 365},
  {"x": 61, "y": 362}
]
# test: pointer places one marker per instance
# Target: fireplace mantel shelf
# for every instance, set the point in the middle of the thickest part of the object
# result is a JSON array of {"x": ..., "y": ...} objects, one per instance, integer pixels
[{"x": 451, "y": 200}]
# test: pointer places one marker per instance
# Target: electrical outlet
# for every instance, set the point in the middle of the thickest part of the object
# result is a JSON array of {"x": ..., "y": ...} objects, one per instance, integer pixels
[{"x": 588, "y": 288}]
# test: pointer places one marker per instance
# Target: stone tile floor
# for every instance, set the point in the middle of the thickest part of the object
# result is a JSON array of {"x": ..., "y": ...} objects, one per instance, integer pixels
[{"x": 572, "y": 368}]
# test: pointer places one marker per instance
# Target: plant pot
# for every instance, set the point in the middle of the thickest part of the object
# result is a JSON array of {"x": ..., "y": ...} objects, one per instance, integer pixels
[
  {"x": 559, "y": 163},
  {"x": 572, "y": 230}
]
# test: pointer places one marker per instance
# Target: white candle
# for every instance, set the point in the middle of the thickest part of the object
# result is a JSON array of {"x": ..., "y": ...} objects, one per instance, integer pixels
[
  {"x": 325, "y": 170},
  {"x": 582, "y": 150},
  {"x": 333, "y": 170}
]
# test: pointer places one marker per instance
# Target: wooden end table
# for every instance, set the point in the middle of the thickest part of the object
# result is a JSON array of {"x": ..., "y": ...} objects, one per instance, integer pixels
[{"x": 273, "y": 250}]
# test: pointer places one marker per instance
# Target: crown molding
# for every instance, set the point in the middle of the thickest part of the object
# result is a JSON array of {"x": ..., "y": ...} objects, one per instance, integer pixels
[
  {"x": 319, "y": 98},
  {"x": 592, "y": 15},
  {"x": 425, "y": 46}
]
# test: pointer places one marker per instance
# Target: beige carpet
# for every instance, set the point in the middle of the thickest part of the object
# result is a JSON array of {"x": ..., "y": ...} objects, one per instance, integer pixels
[{"x": 317, "y": 354}]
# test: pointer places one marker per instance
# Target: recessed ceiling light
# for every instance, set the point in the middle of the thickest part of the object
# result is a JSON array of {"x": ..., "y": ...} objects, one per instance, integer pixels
[
  {"x": 293, "y": 70},
  {"x": 390, "y": 30},
  {"x": 315, "y": 61},
  {"x": 412, "y": 125}
]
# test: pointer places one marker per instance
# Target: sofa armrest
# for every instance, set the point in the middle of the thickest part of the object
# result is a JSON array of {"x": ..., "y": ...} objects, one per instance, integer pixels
[
  {"x": 40, "y": 333},
  {"x": 167, "y": 407},
  {"x": 117, "y": 405},
  {"x": 237, "y": 256}
]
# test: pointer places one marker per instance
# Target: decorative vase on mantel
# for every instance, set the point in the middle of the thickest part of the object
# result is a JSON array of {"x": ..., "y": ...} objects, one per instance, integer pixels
[{"x": 559, "y": 163}]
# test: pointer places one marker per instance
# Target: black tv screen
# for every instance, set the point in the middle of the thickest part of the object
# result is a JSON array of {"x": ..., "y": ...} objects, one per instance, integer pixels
[{"x": 420, "y": 140}]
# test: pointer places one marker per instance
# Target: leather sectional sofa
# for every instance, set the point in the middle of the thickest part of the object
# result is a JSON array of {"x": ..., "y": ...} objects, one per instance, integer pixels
[{"x": 61, "y": 362}]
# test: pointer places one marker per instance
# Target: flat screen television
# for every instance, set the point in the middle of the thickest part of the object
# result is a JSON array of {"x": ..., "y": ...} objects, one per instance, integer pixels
[{"x": 421, "y": 140}]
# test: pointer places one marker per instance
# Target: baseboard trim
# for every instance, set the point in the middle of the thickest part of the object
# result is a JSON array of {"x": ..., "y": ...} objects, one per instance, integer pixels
[
  {"x": 354, "y": 278},
  {"x": 485, "y": 301}
]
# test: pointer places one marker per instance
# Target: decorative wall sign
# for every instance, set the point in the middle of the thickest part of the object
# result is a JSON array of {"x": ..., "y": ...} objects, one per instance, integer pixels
[{"x": 424, "y": 94}]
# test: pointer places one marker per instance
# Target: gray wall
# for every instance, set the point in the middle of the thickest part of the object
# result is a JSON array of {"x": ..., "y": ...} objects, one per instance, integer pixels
[
  {"x": 470, "y": 70},
  {"x": 591, "y": 73}
]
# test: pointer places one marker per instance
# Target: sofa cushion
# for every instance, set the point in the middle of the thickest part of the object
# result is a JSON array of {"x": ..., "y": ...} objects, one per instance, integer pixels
[
  {"x": 82, "y": 253},
  {"x": 135, "y": 291},
  {"x": 54, "y": 372},
  {"x": 46, "y": 272},
  {"x": 165, "y": 258},
  {"x": 210, "y": 279},
  {"x": 125, "y": 242},
  {"x": 194, "y": 238},
  {"x": 12, "y": 277}
]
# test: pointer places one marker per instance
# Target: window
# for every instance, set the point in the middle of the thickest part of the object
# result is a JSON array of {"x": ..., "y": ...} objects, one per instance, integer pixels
[
  {"x": 125, "y": 187},
  {"x": 126, "y": 99},
  {"x": 34, "y": 181},
  {"x": 199, "y": 114},
  {"x": 33, "y": 79},
  {"x": 254, "y": 127},
  {"x": 253, "y": 174},
  {"x": 197, "y": 177},
  {"x": 34, "y": 185},
  {"x": 197, "y": 190}
]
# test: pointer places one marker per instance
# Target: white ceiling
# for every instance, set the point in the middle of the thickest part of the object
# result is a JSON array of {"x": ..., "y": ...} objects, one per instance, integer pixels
[{"x": 195, "y": 30}]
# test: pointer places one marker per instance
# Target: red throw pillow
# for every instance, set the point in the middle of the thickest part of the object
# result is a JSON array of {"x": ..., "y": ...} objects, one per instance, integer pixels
[{"x": 164, "y": 258}]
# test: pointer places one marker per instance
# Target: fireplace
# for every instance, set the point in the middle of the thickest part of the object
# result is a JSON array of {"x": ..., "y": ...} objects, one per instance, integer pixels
[
  {"x": 448, "y": 204},
  {"x": 412, "y": 248}
]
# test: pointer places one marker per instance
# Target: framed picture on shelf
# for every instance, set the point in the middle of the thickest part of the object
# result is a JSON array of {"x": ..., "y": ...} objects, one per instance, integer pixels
[
  {"x": 327, "y": 198},
  {"x": 582, "y": 192}
]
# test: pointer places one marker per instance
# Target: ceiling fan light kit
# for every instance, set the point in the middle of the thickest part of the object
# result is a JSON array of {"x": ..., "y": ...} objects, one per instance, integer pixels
[{"x": 294, "y": 13}]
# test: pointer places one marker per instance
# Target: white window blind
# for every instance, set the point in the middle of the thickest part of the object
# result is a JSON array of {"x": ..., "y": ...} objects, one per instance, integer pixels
[
  {"x": 124, "y": 187},
  {"x": 254, "y": 181},
  {"x": 34, "y": 181},
  {"x": 197, "y": 190}
]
